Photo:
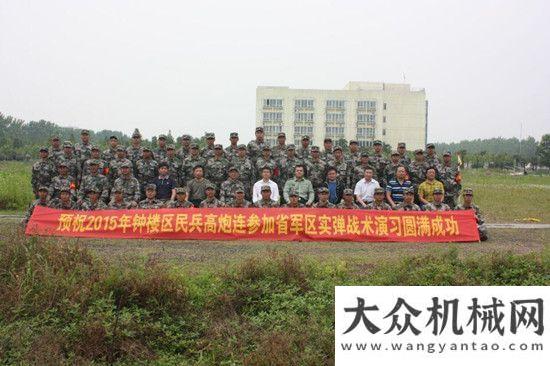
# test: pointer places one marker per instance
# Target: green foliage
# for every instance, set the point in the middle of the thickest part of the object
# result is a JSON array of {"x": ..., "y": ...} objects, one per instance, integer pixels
[
  {"x": 62, "y": 305},
  {"x": 543, "y": 150},
  {"x": 15, "y": 185}
]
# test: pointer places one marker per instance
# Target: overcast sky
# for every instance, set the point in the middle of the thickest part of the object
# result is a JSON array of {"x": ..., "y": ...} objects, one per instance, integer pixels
[{"x": 194, "y": 66}]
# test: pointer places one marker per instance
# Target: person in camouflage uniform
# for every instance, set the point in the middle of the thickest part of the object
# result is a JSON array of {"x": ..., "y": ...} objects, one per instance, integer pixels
[
  {"x": 342, "y": 166},
  {"x": 174, "y": 164},
  {"x": 265, "y": 160},
  {"x": 94, "y": 180},
  {"x": 70, "y": 159},
  {"x": 62, "y": 180},
  {"x": 378, "y": 202},
  {"x": 128, "y": 184},
  {"x": 304, "y": 151},
  {"x": 354, "y": 155},
  {"x": 279, "y": 151},
  {"x": 196, "y": 187},
  {"x": 316, "y": 168},
  {"x": 232, "y": 150},
  {"x": 403, "y": 158},
  {"x": 467, "y": 204},
  {"x": 323, "y": 199},
  {"x": 118, "y": 202},
  {"x": 42, "y": 200},
  {"x": 437, "y": 204},
  {"x": 417, "y": 169},
  {"x": 287, "y": 164},
  {"x": 150, "y": 201},
  {"x": 391, "y": 168},
  {"x": 95, "y": 156},
  {"x": 83, "y": 150},
  {"x": 43, "y": 171},
  {"x": 160, "y": 152},
  {"x": 246, "y": 170},
  {"x": 190, "y": 163},
  {"x": 56, "y": 150},
  {"x": 449, "y": 175},
  {"x": 266, "y": 201},
  {"x": 239, "y": 201},
  {"x": 114, "y": 165},
  {"x": 207, "y": 152},
  {"x": 359, "y": 170},
  {"x": 185, "y": 149},
  {"x": 216, "y": 167},
  {"x": 111, "y": 153},
  {"x": 408, "y": 201},
  {"x": 93, "y": 202},
  {"x": 348, "y": 202},
  {"x": 181, "y": 200},
  {"x": 327, "y": 154},
  {"x": 135, "y": 151},
  {"x": 378, "y": 160},
  {"x": 255, "y": 146},
  {"x": 64, "y": 201},
  {"x": 432, "y": 159},
  {"x": 294, "y": 200},
  {"x": 146, "y": 168},
  {"x": 230, "y": 186},
  {"x": 211, "y": 201}
]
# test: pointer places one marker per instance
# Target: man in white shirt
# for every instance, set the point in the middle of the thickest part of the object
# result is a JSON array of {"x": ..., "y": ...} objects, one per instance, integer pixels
[
  {"x": 364, "y": 189},
  {"x": 266, "y": 180}
]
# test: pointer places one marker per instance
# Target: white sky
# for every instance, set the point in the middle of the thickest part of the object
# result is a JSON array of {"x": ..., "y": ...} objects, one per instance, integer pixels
[{"x": 194, "y": 66}]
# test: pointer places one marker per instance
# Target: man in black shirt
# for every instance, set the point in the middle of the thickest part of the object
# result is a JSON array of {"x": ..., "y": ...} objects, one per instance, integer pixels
[{"x": 166, "y": 186}]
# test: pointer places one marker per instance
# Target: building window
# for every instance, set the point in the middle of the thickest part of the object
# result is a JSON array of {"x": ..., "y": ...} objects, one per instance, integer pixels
[
  {"x": 384, "y": 132},
  {"x": 300, "y": 131},
  {"x": 365, "y": 143},
  {"x": 272, "y": 129},
  {"x": 334, "y": 131},
  {"x": 385, "y": 106},
  {"x": 366, "y": 104},
  {"x": 336, "y": 104},
  {"x": 303, "y": 104},
  {"x": 272, "y": 116},
  {"x": 303, "y": 117},
  {"x": 335, "y": 117},
  {"x": 363, "y": 133},
  {"x": 384, "y": 119},
  {"x": 366, "y": 118},
  {"x": 273, "y": 103}
]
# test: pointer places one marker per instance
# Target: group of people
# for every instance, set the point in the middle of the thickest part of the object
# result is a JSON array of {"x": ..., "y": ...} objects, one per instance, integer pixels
[{"x": 81, "y": 176}]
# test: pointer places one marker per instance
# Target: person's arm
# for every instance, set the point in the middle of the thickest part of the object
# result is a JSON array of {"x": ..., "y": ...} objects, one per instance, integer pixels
[
  {"x": 388, "y": 197},
  {"x": 275, "y": 192},
  {"x": 286, "y": 191},
  {"x": 311, "y": 194},
  {"x": 421, "y": 194},
  {"x": 256, "y": 192},
  {"x": 358, "y": 195}
]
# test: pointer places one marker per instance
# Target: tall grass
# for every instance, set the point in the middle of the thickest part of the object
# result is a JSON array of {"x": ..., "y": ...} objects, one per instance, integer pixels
[
  {"x": 15, "y": 185},
  {"x": 60, "y": 304}
]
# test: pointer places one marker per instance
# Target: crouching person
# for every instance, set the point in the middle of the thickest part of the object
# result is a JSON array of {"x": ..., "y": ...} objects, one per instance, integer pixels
[
  {"x": 181, "y": 200},
  {"x": 467, "y": 204},
  {"x": 118, "y": 202},
  {"x": 42, "y": 200},
  {"x": 151, "y": 201},
  {"x": 92, "y": 203}
]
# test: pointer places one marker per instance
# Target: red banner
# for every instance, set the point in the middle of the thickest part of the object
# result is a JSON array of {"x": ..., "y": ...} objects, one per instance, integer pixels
[{"x": 306, "y": 224}]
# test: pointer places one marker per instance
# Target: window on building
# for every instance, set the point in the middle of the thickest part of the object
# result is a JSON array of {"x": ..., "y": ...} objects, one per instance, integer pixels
[
  {"x": 365, "y": 143},
  {"x": 366, "y": 118},
  {"x": 272, "y": 116},
  {"x": 303, "y": 103},
  {"x": 273, "y": 103},
  {"x": 384, "y": 132},
  {"x": 300, "y": 131},
  {"x": 384, "y": 119},
  {"x": 366, "y": 104},
  {"x": 303, "y": 117},
  {"x": 365, "y": 133},
  {"x": 334, "y": 131},
  {"x": 272, "y": 129},
  {"x": 335, "y": 117},
  {"x": 385, "y": 106},
  {"x": 340, "y": 104}
]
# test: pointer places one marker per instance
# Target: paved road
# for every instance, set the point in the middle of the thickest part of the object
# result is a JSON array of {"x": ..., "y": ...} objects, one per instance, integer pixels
[{"x": 512, "y": 225}]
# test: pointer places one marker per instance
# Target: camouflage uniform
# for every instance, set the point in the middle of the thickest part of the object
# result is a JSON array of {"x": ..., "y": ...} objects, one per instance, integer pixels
[
  {"x": 378, "y": 206},
  {"x": 354, "y": 158},
  {"x": 389, "y": 173},
  {"x": 255, "y": 148},
  {"x": 43, "y": 172},
  {"x": 211, "y": 203},
  {"x": 122, "y": 205},
  {"x": 184, "y": 151},
  {"x": 231, "y": 152},
  {"x": 482, "y": 229},
  {"x": 261, "y": 163},
  {"x": 72, "y": 164},
  {"x": 134, "y": 153},
  {"x": 303, "y": 153},
  {"x": 407, "y": 207},
  {"x": 87, "y": 205},
  {"x": 179, "y": 204},
  {"x": 216, "y": 170},
  {"x": 269, "y": 203},
  {"x": 59, "y": 182},
  {"x": 147, "y": 171},
  {"x": 434, "y": 206},
  {"x": 404, "y": 160},
  {"x": 447, "y": 176},
  {"x": 109, "y": 154},
  {"x": 96, "y": 181},
  {"x": 55, "y": 154},
  {"x": 316, "y": 171},
  {"x": 30, "y": 209},
  {"x": 114, "y": 168},
  {"x": 417, "y": 173},
  {"x": 174, "y": 168},
  {"x": 291, "y": 205},
  {"x": 328, "y": 155},
  {"x": 279, "y": 151},
  {"x": 228, "y": 189},
  {"x": 433, "y": 160},
  {"x": 103, "y": 167},
  {"x": 379, "y": 162},
  {"x": 196, "y": 189},
  {"x": 129, "y": 186},
  {"x": 343, "y": 205},
  {"x": 58, "y": 204},
  {"x": 243, "y": 204},
  {"x": 208, "y": 151},
  {"x": 187, "y": 167},
  {"x": 287, "y": 166},
  {"x": 83, "y": 152},
  {"x": 151, "y": 203},
  {"x": 246, "y": 173}
]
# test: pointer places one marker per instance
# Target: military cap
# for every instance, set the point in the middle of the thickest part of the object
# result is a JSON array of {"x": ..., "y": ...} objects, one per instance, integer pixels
[
  {"x": 65, "y": 189},
  {"x": 234, "y": 134},
  {"x": 259, "y": 129},
  {"x": 337, "y": 148},
  {"x": 186, "y": 137},
  {"x": 266, "y": 188},
  {"x": 210, "y": 135},
  {"x": 94, "y": 162},
  {"x": 430, "y": 146},
  {"x": 126, "y": 164},
  {"x": 379, "y": 190},
  {"x": 136, "y": 133},
  {"x": 467, "y": 192},
  {"x": 232, "y": 168},
  {"x": 401, "y": 144},
  {"x": 281, "y": 134},
  {"x": 305, "y": 137},
  {"x": 322, "y": 190},
  {"x": 353, "y": 142},
  {"x": 194, "y": 146},
  {"x": 170, "y": 147},
  {"x": 348, "y": 191},
  {"x": 120, "y": 148},
  {"x": 55, "y": 138},
  {"x": 377, "y": 142},
  {"x": 44, "y": 148},
  {"x": 293, "y": 192},
  {"x": 239, "y": 190},
  {"x": 218, "y": 146},
  {"x": 327, "y": 139},
  {"x": 210, "y": 186},
  {"x": 266, "y": 147},
  {"x": 241, "y": 147},
  {"x": 438, "y": 191},
  {"x": 315, "y": 148},
  {"x": 67, "y": 144},
  {"x": 113, "y": 137},
  {"x": 94, "y": 147},
  {"x": 62, "y": 162},
  {"x": 419, "y": 151},
  {"x": 150, "y": 187},
  {"x": 84, "y": 132},
  {"x": 117, "y": 190},
  {"x": 291, "y": 147},
  {"x": 364, "y": 154},
  {"x": 447, "y": 153},
  {"x": 43, "y": 188},
  {"x": 181, "y": 190},
  {"x": 163, "y": 164},
  {"x": 395, "y": 153},
  {"x": 162, "y": 137},
  {"x": 92, "y": 190},
  {"x": 408, "y": 190},
  {"x": 145, "y": 148}
]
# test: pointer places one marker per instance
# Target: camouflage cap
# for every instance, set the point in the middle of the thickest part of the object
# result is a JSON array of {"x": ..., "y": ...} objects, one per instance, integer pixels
[
  {"x": 241, "y": 147},
  {"x": 266, "y": 188},
  {"x": 259, "y": 129},
  {"x": 327, "y": 139},
  {"x": 218, "y": 146},
  {"x": 162, "y": 137},
  {"x": 44, "y": 148},
  {"x": 170, "y": 147},
  {"x": 65, "y": 189},
  {"x": 194, "y": 146},
  {"x": 113, "y": 137},
  {"x": 239, "y": 190},
  {"x": 293, "y": 192},
  {"x": 150, "y": 187},
  {"x": 120, "y": 148},
  {"x": 210, "y": 186},
  {"x": 55, "y": 138},
  {"x": 93, "y": 190},
  {"x": 181, "y": 190},
  {"x": 67, "y": 144},
  {"x": 352, "y": 142},
  {"x": 438, "y": 191},
  {"x": 61, "y": 163},
  {"x": 322, "y": 190},
  {"x": 447, "y": 153},
  {"x": 84, "y": 132},
  {"x": 379, "y": 190},
  {"x": 43, "y": 188},
  {"x": 408, "y": 190},
  {"x": 266, "y": 147},
  {"x": 291, "y": 147},
  {"x": 467, "y": 192},
  {"x": 136, "y": 133},
  {"x": 281, "y": 134},
  {"x": 430, "y": 146},
  {"x": 93, "y": 162},
  {"x": 145, "y": 148},
  {"x": 401, "y": 144},
  {"x": 210, "y": 135},
  {"x": 377, "y": 142},
  {"x": 186, "y": 137},
  {"x": 234, "y": 134},
  {"x": 395, "y": 153},
  {"x": 419, "y": 151},
  {"x": 348, "y": 191},
  {"x": 364, "y": 154},
  {"x": 118, "y": 189},
  {"x": 337, "y": 148},
  {"x": 94, "y": 147},
  {"x": 315, "y": 149},
  {"x": 305, "y": 137},
  {"x": 232, "y": 168},
  {"x": 126, "y": 164}
]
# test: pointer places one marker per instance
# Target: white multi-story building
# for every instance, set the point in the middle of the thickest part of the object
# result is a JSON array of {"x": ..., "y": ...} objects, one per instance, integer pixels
[{"x": 362, "y": 111}]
